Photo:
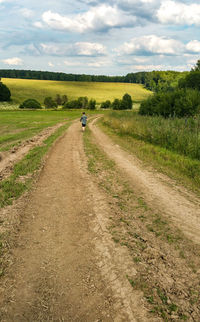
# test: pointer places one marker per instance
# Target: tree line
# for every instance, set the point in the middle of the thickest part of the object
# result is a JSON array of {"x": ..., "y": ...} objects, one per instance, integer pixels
[
  {"x": 181, "y": 101},
  {"x": 154, "y": 81}
]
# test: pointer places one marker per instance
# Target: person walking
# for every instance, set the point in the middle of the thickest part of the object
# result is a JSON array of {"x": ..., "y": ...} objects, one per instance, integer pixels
[{"x": 83, "y": 119}]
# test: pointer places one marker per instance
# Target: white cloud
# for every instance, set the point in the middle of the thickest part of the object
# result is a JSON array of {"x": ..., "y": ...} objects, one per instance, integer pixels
[
  {"x": 148, "y": 67},
  {"x": 157, "y": 67},
  {"x": 13, "y": 61},
  {"x": 76, "y": 49},
  {"x": 96, "y": 19},
  {"x": 51, "y": 64},
  {"x": 38, "y": 24},
  {"x": 179, "y": 13},
  {"x": 151, "y": 44},
  {"x": 27, "y": 13},
  {"x": 193, "y": 46},
  {"x": 72, "y": 63}
]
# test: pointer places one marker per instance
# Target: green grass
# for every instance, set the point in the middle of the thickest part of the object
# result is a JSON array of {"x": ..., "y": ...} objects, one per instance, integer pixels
[
  {"x": 22, "y": 89},
  {"x": 140, "y": 135},
  {"x": 17, "y": 126}
]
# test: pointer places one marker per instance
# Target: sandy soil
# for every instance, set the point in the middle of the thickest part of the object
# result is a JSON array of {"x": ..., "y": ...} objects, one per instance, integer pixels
[
  {"x": 159, "y": 191},
  {"x": 64, "y": 266}
]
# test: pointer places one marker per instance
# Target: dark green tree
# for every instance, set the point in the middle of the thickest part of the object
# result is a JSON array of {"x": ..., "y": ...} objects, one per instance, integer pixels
[
  {"x": 64, "y": 99},
  {"x": 116, "y": 104},
  {"x": 30, "y": 104},
  {"x": 106, "y": 104},
  {"x": 58, "y": 99},
  {"x": 4, "y": 92},
  {"x": 126, "y": 103},
  {"x": 49, "y": 102},
  {"x": 92, "y": 104}
]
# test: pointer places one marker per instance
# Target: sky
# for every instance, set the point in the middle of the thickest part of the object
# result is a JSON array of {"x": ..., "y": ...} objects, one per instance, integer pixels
[{"x": 112, "y": 37}]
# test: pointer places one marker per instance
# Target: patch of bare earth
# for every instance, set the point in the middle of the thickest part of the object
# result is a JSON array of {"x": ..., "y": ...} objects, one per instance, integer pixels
[
  {"x": 9, "y": 158},
  {"x": 65, "y": 266}
]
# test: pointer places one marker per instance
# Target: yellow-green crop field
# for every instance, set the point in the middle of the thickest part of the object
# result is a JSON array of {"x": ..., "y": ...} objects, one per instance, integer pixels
[{"x": 22, "y": 89}]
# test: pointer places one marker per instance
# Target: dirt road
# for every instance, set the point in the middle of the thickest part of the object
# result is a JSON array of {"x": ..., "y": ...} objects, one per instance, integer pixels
[{"x": 65, "y": 266}]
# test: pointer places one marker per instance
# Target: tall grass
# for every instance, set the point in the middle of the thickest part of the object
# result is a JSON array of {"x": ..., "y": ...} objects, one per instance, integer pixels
[{"x": 179, "y": 135}]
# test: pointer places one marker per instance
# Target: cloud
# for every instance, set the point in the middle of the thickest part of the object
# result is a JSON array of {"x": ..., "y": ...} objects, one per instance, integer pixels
[
  {"x": 193, "y": 46},
  {"x": 98, "y": 18},
  {"x": 27, "y": 13},
  {"x": 50, "y": 64},
  {"x": 151, "y": 45},
  {"x": 157, "y": 67},
  {"x": 38, "y": 24},
  {"x": 13, "y": 61},
  {"x": 179, "y": 13},
  {"x": 76, "y": 49}
]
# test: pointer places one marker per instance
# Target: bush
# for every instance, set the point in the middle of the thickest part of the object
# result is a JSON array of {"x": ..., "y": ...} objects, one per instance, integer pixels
[
  {"x": 126, "y": 103},
  {"x": 4, "y": 93},
  {"x": 116, "y": 104},
  {"x": 82, "y": 102},
  {"x": 31, "y": 104},
  {"x": 106, "y": 104},
  {"x": 92, "y": 104},
  {"x": 49, "y": 103},
  {"x": 71, "y": 105},
  {"x": 180, "y": 103}
]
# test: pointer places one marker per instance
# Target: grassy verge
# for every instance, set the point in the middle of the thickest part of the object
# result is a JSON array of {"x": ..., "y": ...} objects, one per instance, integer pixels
[
  {"x": 166, "y": 262},
  {"x": 21, "y": 178},
  {"x": 179, "y": 167}
]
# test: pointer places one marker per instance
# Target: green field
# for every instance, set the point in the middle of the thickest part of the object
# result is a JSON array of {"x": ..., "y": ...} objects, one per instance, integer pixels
[
  {"x": 22, "y": 89},
  {"x": 17, "y": 126}
]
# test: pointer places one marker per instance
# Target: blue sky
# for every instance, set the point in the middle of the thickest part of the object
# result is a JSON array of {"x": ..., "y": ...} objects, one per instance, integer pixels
[{"x": 99, "y": 37}]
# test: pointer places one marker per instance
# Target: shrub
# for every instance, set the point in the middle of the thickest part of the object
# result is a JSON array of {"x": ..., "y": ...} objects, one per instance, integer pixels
[
  {"x": 82, "y": 102},
  {"x": 180, "y": 103},
  {"x": 126, "y": 103},
  {"x": 106, "y": 104},
  {"x": 4, "y": 93},
  {"x": 49, "y": 103},
  {"x": 31, "y": 104},
  {"x": 92, "y": 104},
  {"x": 71, "y": 104},
  {"x": 116, "y": 104}
]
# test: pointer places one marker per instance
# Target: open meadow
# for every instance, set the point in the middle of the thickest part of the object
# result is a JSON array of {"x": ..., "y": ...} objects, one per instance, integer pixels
[
  {"x": 17, "y": 126},
  {"x": 22, "y": 89}
]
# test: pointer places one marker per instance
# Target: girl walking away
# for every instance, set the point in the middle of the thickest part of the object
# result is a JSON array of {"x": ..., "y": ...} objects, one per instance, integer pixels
[{"x": 84, "y": 121}]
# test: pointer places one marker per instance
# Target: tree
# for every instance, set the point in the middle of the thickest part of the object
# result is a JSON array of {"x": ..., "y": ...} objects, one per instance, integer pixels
[
  {"x": 116, "y": 104},
  {"x": 64, "y": 99},
  {"x": 4, "y": 92},
  {"x": 58, "y": 99},
  {"x": 92, "y": 104},
  {"x": 196, "y": 67},
  {"x": 49, "y": 103},
  {"x": 82, "y": 102},
  {"x": 106, "y": 104},
  {"x": 126, "y": 103},
  {"x": 30, "y": 104}
]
